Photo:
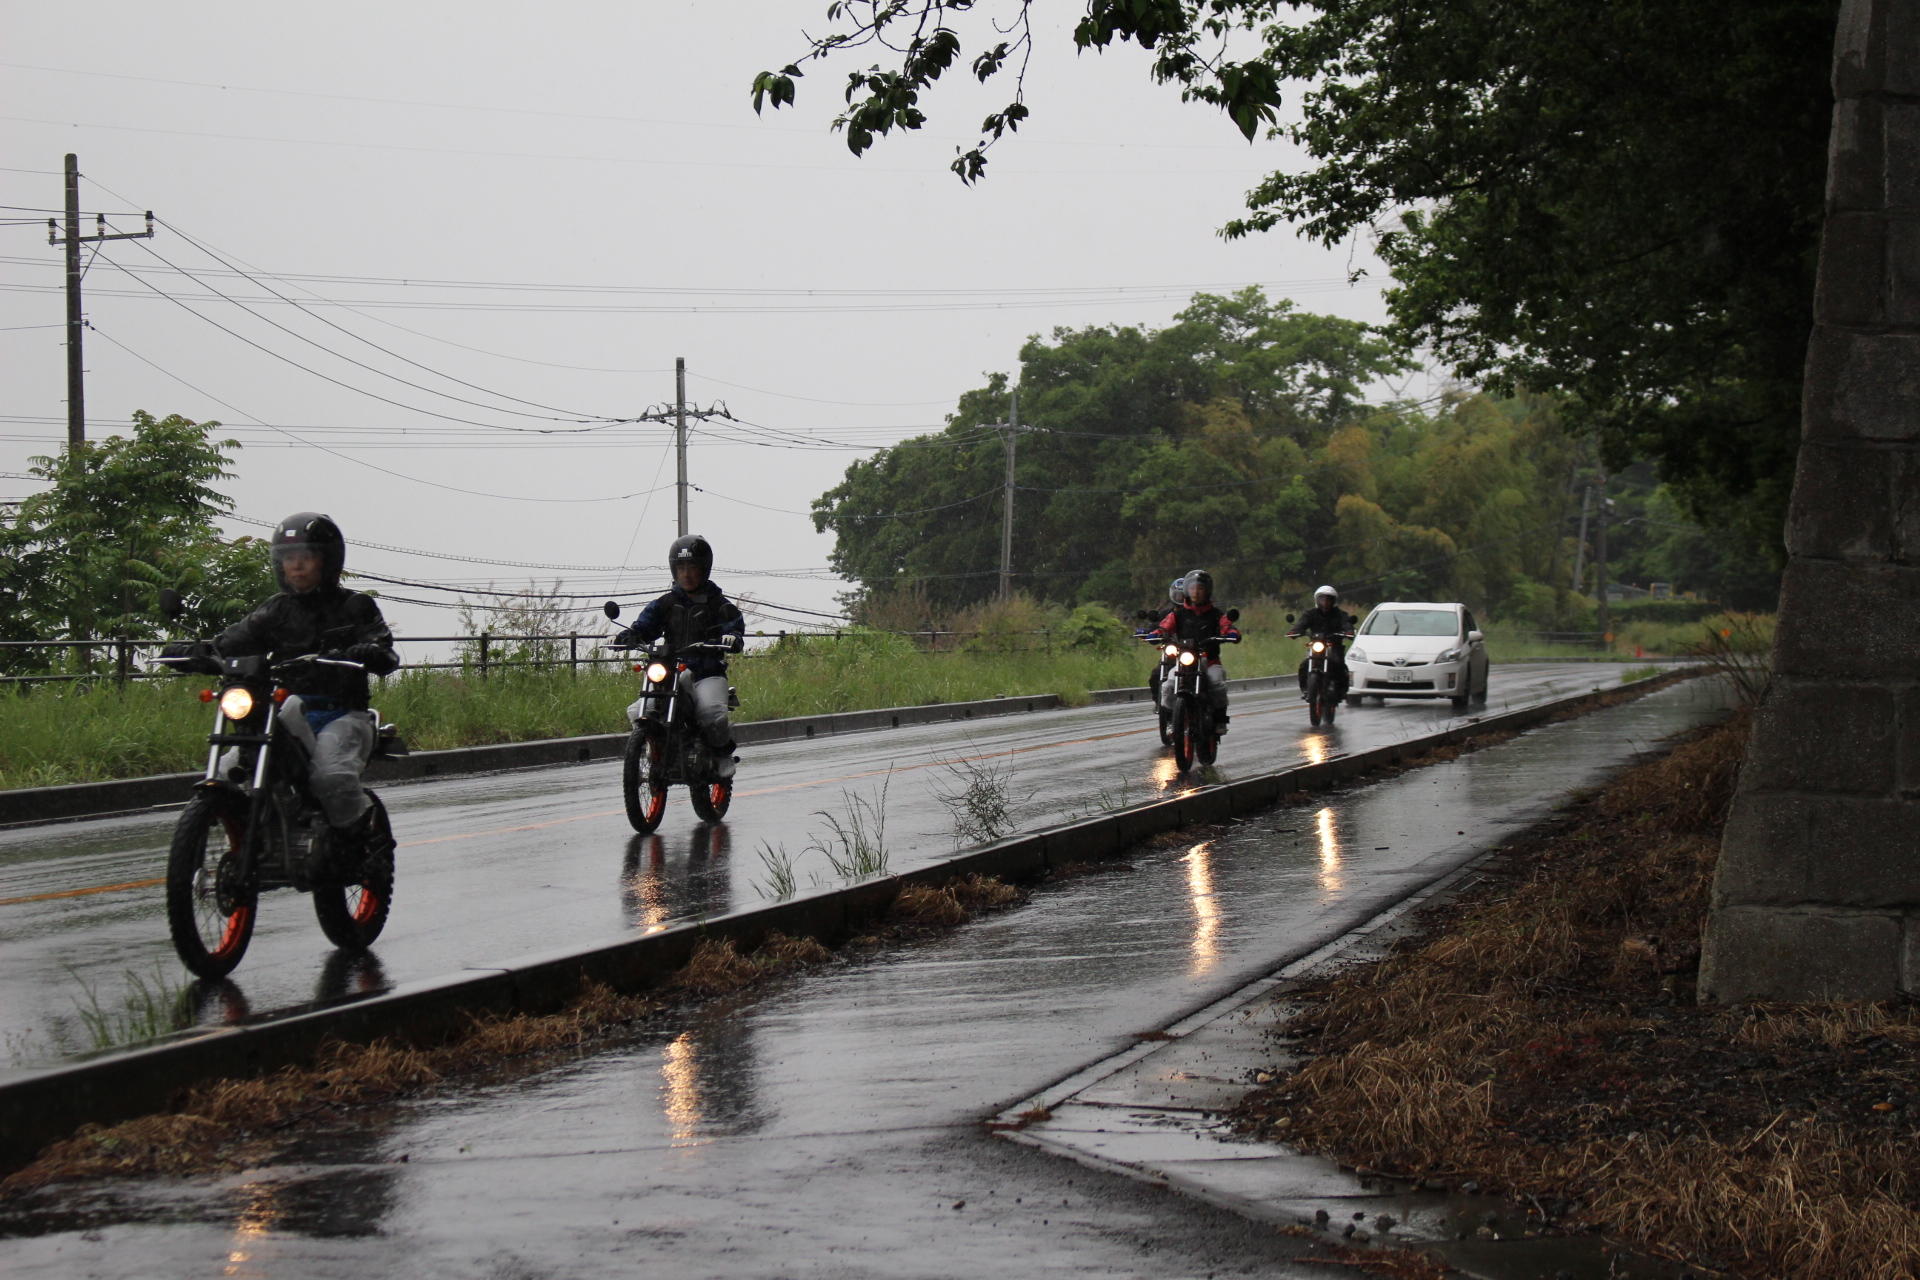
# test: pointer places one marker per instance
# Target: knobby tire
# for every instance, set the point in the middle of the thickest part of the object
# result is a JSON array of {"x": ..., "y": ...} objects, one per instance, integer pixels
[
  {"x": 646, "y": 798},
  {"x": 209, "y": 940},
  {"x": 353, "y": 914}
]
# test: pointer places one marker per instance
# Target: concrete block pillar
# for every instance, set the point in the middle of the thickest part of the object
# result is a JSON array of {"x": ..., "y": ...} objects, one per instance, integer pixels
[{"x": 1818, "y": 890}]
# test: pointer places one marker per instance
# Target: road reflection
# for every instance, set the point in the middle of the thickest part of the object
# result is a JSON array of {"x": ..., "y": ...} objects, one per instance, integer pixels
[
  {"x": 708, "y": 1081},
  {"x": 1204, "y": 948},
  {"x": 1317, "y": 746},
  {"x": 350, "y": 975},
  {"x": 683, "y": 877},
  {"x": 1326, "y": 825}
]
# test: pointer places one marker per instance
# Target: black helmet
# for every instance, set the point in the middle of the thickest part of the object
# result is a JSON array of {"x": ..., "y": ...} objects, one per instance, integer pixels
[
  {"x": 1199, "y": 578},
  {"x": 690, "y": 548},
  {"x": 310, "y": 531}
]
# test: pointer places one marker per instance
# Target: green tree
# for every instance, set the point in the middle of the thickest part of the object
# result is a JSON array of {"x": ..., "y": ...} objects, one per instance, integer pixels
[
  {"x": 123, "y": 518},
  {"x": 1617, "y": 202}
]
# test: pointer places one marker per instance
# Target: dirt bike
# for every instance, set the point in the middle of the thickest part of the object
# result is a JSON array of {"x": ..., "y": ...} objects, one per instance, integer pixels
[
  {"x": 1324, "y": 687},
  {"x": 252, "y": 825},
  {"x": 1189, "y": 716},
  {"x": 665, "y": 746}
]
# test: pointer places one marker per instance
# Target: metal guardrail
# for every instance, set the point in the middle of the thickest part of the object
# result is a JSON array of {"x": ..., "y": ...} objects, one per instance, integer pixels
[{"x": 489, "y": 652}]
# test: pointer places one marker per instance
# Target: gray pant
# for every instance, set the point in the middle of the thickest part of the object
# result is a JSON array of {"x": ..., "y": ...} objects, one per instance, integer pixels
[
  {"x": 338, "y": 754},
  {"x": 709, "y": 695},
  {"x": 1216, "y": 678}
]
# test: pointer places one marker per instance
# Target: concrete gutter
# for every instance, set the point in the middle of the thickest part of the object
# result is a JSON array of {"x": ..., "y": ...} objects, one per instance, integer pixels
[
  {"x": 130, "y": 795},
  {"x": 40, "y": 1106}
]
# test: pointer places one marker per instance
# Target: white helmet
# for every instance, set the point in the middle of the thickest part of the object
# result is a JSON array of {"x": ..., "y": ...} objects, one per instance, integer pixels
[
  {"x": 1177, "y": 593},
  {"x": 1333, "y": 597}
]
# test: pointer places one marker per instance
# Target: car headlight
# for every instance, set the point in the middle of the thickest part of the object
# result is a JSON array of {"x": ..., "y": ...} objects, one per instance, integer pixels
[
  {"x": 1355, "y": 655},
  {"x": 236, "y": 703},
  {"x": 656, "y": 672},
  {"x": 1449, "y": 655},
  {"x": 1186, "y": 659}
]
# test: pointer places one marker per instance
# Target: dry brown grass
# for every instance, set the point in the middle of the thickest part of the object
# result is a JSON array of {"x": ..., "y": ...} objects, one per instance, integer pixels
[{"x": 1541, "y": 1040}]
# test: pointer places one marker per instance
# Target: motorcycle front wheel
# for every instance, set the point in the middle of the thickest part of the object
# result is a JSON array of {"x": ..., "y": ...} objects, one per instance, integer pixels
[
  {"x": 211, "y": 924},
  {"x": 1206, "y": 743},
  {"x": 643, "y": 780},
  {"x": 352, "y": 915},
  {"x": 1313, "y": 698},
  {"x": 1182, "y": 729}
]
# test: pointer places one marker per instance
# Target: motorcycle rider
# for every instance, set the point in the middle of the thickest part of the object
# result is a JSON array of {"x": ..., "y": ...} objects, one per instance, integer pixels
[
  {"x": 1198, "y": 619},
  {"x": 1176, "y": 596},
  {"x": 696, "y": 611},
  {"x": 1328, "y": 619},
  {"x": 327, "y": 707}
]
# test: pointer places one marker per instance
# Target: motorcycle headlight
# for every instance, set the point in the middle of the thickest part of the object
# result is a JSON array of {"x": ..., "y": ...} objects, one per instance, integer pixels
[
  {"x": 1319, "y": 646},
  {"x": 1172, "y": 650},
  {"x": 236, "y": 703},
  {"x": 1355, "y": 655},
  {"x": 656, "y": 672},
  {"x": 1186, "y": 659}
]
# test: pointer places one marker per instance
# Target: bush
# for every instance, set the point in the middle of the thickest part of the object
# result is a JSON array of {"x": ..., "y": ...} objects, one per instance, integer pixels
[
  {"x": 1092, "y": 628},
  {"x": 1666, "y": 612}
]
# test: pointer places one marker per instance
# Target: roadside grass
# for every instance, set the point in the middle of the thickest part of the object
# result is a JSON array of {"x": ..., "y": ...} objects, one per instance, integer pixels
[
  {"x": 235, "y": 1123},
  {"x": 1539, "y": 1038},
  {"x": 50, "y": 735}
]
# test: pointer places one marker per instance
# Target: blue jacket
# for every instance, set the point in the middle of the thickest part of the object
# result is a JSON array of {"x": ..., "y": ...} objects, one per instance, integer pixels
[{"x": 690, "y": 618}]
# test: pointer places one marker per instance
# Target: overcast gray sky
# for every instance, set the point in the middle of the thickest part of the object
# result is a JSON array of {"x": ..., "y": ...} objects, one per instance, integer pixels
[{"x": 528, "y": 212}]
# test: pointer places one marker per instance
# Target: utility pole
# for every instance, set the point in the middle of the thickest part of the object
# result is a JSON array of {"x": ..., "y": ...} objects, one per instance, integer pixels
[
  {"x": 1012, "y": 430},
  {"x": 76, "y": 369},
  {"x": 1580, "y": 543},
  {"x": 1600, "y": 557},
  {"x": 680, "y": 432}
]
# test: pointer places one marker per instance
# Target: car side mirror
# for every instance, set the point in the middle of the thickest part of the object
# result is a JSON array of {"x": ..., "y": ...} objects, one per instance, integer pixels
[
  {"x": 1233, "y": 615},
  {"x": 172, "y": 604},
  {"x": 611, "y": 608},
  {"x": 1475, "y": 637}
]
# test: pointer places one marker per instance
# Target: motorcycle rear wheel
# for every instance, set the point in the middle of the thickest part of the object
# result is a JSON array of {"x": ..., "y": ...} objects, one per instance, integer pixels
[
  {"x": 209, "y": 936},
  {"x": 352, "y": 915},
  {"x": 710, "y": 799},
  {"x": 643, "y": 780}
]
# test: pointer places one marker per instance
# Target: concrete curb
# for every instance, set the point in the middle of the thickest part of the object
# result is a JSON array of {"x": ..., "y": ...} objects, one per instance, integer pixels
[
  {"x": 27, "y": 805},
  {"x": 37, "y": 1107}
]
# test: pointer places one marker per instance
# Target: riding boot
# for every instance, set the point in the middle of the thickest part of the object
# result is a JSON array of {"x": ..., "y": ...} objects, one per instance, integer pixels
[
  {"x": 345, "y": 847},
  {"x": 724, "y": 761}
]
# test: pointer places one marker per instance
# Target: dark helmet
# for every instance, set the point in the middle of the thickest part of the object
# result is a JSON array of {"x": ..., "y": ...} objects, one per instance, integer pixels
[
  {"x": 310, "y": 531},
  {"x": 1199, "y": 578},
  {"x": 690, "y": 548}
]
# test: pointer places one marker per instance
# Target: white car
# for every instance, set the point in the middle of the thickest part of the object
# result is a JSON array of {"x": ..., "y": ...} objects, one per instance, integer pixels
[{"x": 1418, "y": 649}]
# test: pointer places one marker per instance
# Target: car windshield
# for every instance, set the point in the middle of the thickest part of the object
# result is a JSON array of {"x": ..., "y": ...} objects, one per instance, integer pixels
[{"x": 1412, "y": 622}]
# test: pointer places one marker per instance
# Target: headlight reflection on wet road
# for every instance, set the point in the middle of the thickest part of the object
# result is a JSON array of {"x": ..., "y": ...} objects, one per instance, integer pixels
[
  {"x": 1206, "y": 911},
  {"x": 1329, "y": 832}
]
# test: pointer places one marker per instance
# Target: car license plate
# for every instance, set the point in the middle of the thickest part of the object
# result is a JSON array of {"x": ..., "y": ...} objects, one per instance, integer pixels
[{"x": 1399, "y": 677}]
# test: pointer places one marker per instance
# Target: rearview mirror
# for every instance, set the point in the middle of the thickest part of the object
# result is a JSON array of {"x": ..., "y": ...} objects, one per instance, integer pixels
[
  {"x": 172, "y": 604},
  {"x": 1233, "y": 615},
  {"x": 1289, "y": 617},
  {"x": 1143, "y": 615},
  {"x": 611, "y": 608},
  {"x": 1475, "y": 637}
]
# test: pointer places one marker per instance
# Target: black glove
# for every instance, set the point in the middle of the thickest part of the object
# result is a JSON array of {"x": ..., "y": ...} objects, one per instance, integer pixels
[
  {"x": 204, "y": 659},
  {"x": 365, "y": 654},
  {"x": 733, "y": 644}
]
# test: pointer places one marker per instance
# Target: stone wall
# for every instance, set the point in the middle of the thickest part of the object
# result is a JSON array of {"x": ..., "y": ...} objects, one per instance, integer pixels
[{"x": 1818, "y": 891}]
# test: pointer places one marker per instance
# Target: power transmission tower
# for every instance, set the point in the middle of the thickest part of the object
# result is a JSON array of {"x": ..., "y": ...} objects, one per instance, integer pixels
[{"x": 76, "y": 370}]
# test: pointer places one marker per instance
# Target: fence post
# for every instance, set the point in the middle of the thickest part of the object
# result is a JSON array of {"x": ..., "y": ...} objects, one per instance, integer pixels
[
  {"x": 573, "y": 653},
  {"x": 123, "y": 661},
  {"x": 483, "y": 655}
]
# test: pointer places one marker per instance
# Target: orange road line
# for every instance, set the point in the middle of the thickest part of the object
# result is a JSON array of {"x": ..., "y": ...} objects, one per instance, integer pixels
[{"x": 81, "y": 893}]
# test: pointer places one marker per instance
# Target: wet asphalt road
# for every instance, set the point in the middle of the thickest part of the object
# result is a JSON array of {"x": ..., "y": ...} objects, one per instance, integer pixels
[
  {"x": 832, "y": 1127},
  {"x": 507, "y": 865}
]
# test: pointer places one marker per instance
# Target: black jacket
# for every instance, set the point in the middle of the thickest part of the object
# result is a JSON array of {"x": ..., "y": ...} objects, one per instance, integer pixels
[
  {"x": 1322, "y": 622},
  {"x": 689, "y": 618},
  {"x": 328, "y": 620}
]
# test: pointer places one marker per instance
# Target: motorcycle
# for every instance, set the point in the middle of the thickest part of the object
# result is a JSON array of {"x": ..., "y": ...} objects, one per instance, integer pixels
[
  {"x": 1189, "y": 717},
  {"x": 1324, "y": 689},
  {"x": 253, "y": 825},
  {"x": 665, "y": 746}
]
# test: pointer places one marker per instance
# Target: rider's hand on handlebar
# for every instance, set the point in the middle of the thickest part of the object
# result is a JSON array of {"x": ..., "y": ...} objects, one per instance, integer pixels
[{"x": 732, "y": 643}]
